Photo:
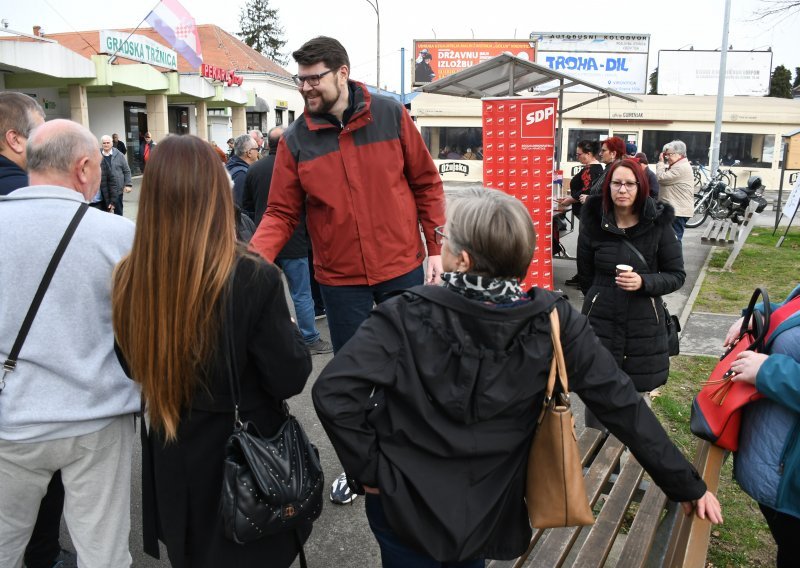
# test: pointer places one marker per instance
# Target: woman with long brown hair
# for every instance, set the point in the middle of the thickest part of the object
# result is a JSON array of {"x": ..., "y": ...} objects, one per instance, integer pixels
[{"x": 171, "y": 297}]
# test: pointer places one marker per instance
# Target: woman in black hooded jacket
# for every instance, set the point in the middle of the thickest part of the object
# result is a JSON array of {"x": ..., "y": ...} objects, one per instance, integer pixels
[
  {"x": 626, "y": 311},
  {"x": 431, "y": 406}
]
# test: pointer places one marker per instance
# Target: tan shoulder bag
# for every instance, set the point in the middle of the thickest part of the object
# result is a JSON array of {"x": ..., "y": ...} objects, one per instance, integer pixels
[{"x": 554, "y": 488}]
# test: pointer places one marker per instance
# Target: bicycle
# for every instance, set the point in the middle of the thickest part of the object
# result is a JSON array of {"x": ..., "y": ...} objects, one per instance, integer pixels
[
  {"x": 706, "y": 200},
  {"x": 700, "y": 172}
]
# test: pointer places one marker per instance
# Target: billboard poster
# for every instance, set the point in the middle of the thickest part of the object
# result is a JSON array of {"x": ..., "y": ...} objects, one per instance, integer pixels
[
  {"x": 696, "y": 72},
  {"x": 518, "y": 149},
  {"x": 435, "y": 59},
  {"x": 613, "y": 61}
]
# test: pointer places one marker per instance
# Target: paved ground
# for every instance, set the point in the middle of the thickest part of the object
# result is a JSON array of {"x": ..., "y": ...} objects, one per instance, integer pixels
[{"x": 341, "y": 537}]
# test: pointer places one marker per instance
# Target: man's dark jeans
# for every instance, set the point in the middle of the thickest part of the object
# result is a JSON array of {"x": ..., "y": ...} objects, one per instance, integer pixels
[{"x": 348, "y": 306}]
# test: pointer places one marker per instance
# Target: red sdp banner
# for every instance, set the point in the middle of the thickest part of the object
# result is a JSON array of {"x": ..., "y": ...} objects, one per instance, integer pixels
[
  {"x": 439, "y": 58},
  {"x": 518, "y": 149}
]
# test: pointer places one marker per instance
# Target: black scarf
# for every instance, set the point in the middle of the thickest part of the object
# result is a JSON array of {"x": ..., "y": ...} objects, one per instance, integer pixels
[{"x": 484, "y": 288}]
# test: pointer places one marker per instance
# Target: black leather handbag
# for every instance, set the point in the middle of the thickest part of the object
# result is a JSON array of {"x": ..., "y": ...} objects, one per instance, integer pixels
[{"x": 269, "y": 485}]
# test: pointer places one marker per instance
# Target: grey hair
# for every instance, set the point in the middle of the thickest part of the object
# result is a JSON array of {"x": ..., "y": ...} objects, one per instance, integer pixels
[
  {"x": 675, "y": 146},
  {"x": 494, "y": 228},
  {"x": 16, "y": 113},
  {"x": 242, "y": 144},
  {"x": 104, "y": 136},
  {"x": 59, "y": 152}
]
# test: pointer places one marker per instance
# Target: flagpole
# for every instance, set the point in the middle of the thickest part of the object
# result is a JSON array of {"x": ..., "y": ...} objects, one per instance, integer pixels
[{"x": 114, "y": 56}]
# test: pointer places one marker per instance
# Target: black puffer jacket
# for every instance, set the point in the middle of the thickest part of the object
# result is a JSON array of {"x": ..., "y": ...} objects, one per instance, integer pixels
[
  {"x": 630, "y": 324},
  {"x": 457, "y": 388}
]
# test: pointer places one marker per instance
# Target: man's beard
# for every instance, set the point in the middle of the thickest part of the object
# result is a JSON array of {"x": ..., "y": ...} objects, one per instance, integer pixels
[{"x": 325, "y": 104}]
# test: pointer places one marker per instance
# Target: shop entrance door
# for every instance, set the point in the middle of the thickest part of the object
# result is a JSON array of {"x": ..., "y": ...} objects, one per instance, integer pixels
[{"x": 135, "y": 127}]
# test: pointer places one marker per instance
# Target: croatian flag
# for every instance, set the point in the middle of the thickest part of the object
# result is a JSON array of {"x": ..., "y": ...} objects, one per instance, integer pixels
[{"x": 176, "y": 25}]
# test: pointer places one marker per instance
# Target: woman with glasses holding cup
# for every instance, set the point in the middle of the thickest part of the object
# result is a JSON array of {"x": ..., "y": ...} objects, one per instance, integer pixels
[{"x": 628, "y": 257}]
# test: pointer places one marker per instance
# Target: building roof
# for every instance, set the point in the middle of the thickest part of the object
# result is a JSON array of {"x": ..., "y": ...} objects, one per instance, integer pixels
[{"x": 219, "y": 48}]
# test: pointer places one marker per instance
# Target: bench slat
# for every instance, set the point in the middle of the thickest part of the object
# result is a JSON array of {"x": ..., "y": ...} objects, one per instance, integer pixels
[
  {"x": 558, "y": 542},
  {"x": 594, "y": 550},
  {"x": 643, "y": 529},
  {"x": 688, "y": 545}
]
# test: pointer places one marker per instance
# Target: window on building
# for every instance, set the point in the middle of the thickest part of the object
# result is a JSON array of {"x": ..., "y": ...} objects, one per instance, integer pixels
[
  {"x": 453, "y": 141},
  {"x": 255, "y": 120},
  {"x": 218, "y": 112},
  {"x": 278, "y": 117},
  {"x": 575, "y": 135},
  {"x": 291, "y": 116},
  {"x": 697, "y": 143},
  {"x": 754, "y": 150}
]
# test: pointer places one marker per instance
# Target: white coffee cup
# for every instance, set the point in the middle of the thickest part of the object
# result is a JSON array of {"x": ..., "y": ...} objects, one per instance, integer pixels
[{"x": 624, "y": 268}]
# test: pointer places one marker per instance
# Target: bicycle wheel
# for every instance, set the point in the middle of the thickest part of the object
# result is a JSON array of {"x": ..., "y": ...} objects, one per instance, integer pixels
[
  {"x": 725, "y": 178},
  {"x": 702, "y": 201},
  {"x": 698, "y": 179}
]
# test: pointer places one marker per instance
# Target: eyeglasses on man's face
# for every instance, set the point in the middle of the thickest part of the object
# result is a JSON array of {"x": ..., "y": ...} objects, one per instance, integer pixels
[
  {"x": 628, "y": 185},
  {"x": 311, "y": 80},
  {"x": 440, "y": 236}
]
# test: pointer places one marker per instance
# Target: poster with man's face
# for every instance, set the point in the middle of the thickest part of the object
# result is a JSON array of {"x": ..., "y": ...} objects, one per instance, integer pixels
[{"x": 435, "y": 59}]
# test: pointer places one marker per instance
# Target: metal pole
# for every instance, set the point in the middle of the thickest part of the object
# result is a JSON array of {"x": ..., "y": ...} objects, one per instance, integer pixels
[
  {"x": 560, "y": 130},
  {"x": 778, "y": 214},
  {"x": 376, "y": 7},
  {"x": 403, "y": 74},
  {"x": 510, "y": 79},
  {"x": 723, "y": 65}
]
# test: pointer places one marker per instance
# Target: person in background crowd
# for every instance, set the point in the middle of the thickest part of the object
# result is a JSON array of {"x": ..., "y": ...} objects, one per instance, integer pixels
[
  {"x": 258, "y": 138},
  {"x": 147, "y": 148},
  {"x": 220, "y": 152},
  {"x": 469, "y": 155},
  {"x": 625, "y": 309},
  {"x": 454, "y": 154},
  {"x": 68, "y": 405},
  {"x": 630, "y": 149},
  {"x": 19, "y": 115},
  {"x": 432, "y": 406},
  {"x": 118, "y": 144},
  {"x": 652, "y": 180},
  {"x": 245, "y": 153},
  {"x": 612, "y": 150},
  {"x": 676, "y": 183},
  {"x": 293, "y": 258},
  {"x": 366, "y": 242},
  {"x": 201, "y": 273},
  {"x": 115, "y": 176},
  {"x": 579, "y": 186},
  {"x": 767, "y": 465},
  {"x": 230, "y": 147},
  {"x": 479, "y": 153},
  {"x": 443, "y": 152}
]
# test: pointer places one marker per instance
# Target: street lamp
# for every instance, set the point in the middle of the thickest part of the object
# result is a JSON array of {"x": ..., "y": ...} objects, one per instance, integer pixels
[{"x": 374, "y": 5}]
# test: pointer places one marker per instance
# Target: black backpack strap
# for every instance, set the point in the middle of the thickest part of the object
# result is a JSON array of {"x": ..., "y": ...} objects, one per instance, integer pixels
[{"x": 11, "y": 363}]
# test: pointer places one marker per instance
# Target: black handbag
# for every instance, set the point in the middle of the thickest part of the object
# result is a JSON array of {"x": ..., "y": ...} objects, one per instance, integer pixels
[
  {"x": 269, "y": 485},
  {"x": 672, "y": 323}
]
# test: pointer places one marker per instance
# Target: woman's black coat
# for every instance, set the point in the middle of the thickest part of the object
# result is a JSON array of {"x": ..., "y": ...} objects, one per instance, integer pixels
[
  {"x": 630, "y": 324},
  {"x": 434, "y": 401},
  {"x": 182, "y": 480}
]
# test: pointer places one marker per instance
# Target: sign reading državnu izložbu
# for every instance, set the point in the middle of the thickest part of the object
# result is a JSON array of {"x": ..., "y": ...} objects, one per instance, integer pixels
[{"x": 138, "y": 48}]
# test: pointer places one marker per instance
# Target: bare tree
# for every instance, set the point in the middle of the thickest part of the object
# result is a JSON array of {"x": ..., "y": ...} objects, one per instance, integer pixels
[{"x": 771, "y": 8}]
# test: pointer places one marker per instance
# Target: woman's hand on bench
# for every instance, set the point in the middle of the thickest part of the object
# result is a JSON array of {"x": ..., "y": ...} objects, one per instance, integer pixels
[{"x": 707, "y": 507}]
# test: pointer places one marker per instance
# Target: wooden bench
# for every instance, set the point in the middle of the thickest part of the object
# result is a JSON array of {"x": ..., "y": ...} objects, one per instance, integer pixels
[
  {"x": 659, "y": 534},
  {"x": 729, "y": 234}
]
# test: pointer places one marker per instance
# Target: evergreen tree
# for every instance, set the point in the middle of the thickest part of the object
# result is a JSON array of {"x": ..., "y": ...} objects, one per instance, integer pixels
[
  {"x": 261, "y": 30},
  {"x": 796, "y": 77},
  {"x": 654, "y": 82},
  {"x": 780, "y": 84}
]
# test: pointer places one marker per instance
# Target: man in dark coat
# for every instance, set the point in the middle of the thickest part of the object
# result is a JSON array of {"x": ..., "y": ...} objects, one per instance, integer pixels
[
  {"x": 119, "y": 144},
  {"x": 245, "y": 153},
  {"x": 115, "y": 176},
  {"x": 293, "y": 258}
]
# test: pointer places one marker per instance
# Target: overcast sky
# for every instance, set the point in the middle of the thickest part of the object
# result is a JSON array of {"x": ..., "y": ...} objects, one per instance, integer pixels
[{"x": 671, "y": 25}]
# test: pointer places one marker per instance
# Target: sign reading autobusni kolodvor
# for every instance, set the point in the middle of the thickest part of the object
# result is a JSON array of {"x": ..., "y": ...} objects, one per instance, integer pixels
[
  {"x": 518, "y": 148},
  {"x": 138, "y": 48},
  {"x": 613, "y": 60}
]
